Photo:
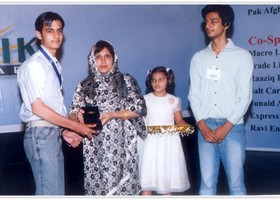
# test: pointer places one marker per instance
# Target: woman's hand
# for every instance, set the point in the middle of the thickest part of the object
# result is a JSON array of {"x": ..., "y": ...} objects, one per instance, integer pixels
[
  {"x": 80, "y": 116},
  {"x": 106, "y": 117}
]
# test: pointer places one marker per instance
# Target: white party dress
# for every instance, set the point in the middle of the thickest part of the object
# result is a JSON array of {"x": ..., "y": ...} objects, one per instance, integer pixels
[{"x": 162, "y": 163}]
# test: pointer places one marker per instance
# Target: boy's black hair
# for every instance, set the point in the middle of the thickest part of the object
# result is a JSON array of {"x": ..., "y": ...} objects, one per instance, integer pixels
[
  {"x": 225, "y": 12},
  {"x": 46, "y": 19}
]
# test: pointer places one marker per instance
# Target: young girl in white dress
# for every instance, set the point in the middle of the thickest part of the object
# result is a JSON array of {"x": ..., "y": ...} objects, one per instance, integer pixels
[{"x": 162, "y": 163}]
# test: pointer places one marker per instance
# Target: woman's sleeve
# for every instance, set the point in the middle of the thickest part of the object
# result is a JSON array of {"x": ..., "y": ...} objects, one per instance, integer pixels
[
  {"x": 78, "y": 99},
  {"x": 134, "y": 100}
]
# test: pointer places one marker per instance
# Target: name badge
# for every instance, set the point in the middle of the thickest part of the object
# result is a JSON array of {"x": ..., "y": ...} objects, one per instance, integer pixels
[{"x": 213, "y": 74}]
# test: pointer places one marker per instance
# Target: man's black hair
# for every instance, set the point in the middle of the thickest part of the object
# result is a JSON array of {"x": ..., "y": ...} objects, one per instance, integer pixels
[
  {"x": 225, "y": 12},
  {"x": 47, "y": 18}
]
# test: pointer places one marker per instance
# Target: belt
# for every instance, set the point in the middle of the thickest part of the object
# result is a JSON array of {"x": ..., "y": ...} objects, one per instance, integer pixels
[
  {"x": 40, "y": 123},
  {"x": 216, "y": 120},
  {"x": 169, "y": 129}
]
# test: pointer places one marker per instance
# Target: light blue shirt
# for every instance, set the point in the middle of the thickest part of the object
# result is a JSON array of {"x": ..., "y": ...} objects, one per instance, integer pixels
[
  {"x": 221, "y": 85},
  {"x": 37, "y": 79}
]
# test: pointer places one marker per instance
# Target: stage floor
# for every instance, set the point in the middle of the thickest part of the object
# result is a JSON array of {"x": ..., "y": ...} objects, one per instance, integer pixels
[{"x": 262, "y": 172}]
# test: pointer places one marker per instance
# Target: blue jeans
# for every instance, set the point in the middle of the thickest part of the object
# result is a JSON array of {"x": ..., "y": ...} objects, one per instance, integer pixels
[
  {"x": 231, "y": 151},
  {"x": 43, "y": 149}
]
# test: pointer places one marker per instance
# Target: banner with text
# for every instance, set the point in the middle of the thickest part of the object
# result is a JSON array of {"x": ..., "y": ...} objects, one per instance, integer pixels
[{"x": 262, "y": 32}]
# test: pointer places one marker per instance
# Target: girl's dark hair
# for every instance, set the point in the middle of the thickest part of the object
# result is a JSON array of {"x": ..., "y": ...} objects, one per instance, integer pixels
[
  {"x": 225, "y": 12},
  {"x": 170, "y": 79},
  {"x": 101, "y": 44},
  {"x": 47, "y": 18}
]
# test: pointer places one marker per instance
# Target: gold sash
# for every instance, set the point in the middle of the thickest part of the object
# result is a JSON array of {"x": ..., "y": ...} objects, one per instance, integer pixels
[{"x": 183, "y": 130}]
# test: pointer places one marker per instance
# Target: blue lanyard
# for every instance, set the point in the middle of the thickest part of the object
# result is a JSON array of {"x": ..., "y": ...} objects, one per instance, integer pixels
[{"x": 53, "y": 65}]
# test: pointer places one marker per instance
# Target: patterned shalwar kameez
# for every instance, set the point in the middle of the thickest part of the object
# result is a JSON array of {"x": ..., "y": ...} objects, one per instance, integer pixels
[{"x": 110, "y": 158}]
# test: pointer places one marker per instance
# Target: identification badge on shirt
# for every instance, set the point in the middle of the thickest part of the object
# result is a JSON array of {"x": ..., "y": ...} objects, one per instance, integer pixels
[{"x": 213, "y": 74}]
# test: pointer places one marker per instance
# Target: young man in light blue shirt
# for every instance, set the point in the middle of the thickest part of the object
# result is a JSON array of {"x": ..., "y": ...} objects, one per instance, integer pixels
[
  {"x": 220, "y": 94},
  {"x": 43, "y": 109}
]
